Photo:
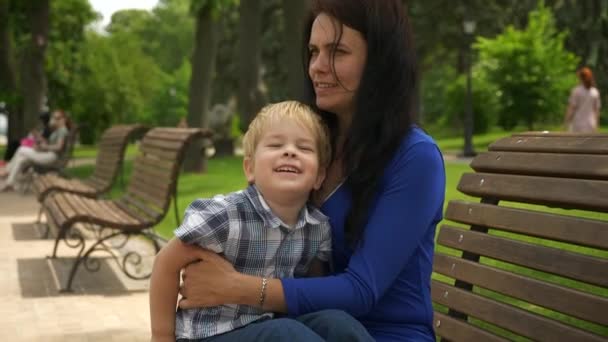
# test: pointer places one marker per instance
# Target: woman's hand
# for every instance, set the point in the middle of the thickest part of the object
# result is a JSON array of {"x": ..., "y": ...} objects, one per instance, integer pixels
[{"x": 209, "y": 282}]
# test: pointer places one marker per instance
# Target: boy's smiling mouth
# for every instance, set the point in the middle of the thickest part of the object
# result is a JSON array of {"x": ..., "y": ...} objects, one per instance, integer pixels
[{"x": 288, "y": 169}]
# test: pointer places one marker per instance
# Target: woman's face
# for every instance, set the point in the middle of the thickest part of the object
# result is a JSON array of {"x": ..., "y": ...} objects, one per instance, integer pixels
[
  {"x": 57, "y": 119},
  {"x": 336, "y": 89}
]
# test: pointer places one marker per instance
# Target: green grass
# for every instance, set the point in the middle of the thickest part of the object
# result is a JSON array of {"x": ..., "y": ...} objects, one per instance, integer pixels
[
  {"x": 90, "y": 151},
  {"x": 86, "y": 151},
  {"x": 480, "y": 142}
]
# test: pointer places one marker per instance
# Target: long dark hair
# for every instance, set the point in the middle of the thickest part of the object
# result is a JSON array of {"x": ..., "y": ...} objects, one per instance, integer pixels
[{"x": 385, "y": 99}]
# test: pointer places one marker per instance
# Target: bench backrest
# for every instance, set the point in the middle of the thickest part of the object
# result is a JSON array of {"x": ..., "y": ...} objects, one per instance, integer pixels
[
  {"x": 153, "y": 180},
  {"x": 112, "y": 146},
  {"x": 523, "y": 270}
]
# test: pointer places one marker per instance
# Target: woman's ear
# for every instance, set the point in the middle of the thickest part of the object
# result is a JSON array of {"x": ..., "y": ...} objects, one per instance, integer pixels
[{"x": 248, "y": 169}]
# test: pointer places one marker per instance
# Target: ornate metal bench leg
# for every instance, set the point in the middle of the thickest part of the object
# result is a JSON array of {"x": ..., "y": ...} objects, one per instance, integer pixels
[
  {"x": 39, "y": 218},
  {"x": 47, "y": 231},
  {"x": 60, "y": 235},
  {"x": 98, "y": 245}
]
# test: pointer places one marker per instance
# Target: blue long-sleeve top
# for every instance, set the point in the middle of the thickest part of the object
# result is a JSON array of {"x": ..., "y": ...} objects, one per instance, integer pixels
[{"x": 385, "y": 282}]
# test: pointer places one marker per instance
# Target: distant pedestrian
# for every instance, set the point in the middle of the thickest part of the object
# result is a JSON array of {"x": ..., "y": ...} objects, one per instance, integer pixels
[{"x": 583, "y": 114}]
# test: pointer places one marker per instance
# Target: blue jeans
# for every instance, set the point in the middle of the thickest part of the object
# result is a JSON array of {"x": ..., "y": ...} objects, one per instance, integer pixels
[{"x": 326, "y": 325}]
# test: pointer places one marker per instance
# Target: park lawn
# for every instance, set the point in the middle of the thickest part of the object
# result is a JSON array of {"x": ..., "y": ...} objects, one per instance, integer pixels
[
  {"x": 87, "y": 151},
  {"x": 90, "y": 151}
]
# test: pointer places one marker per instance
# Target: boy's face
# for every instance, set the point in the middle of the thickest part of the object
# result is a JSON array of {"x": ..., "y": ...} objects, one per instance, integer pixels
[{"x": 285, "y": 162}]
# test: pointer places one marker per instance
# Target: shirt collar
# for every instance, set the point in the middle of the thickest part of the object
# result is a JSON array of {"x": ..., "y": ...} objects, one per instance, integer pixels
[{"x": 308, "y": 214}]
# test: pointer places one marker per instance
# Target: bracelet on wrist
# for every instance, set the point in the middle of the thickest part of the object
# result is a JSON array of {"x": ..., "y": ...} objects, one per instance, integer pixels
[{"x": 263, "y": 292}]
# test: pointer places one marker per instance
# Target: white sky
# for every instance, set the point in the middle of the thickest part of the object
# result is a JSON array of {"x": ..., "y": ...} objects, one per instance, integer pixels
[{"x": 107, "y": 7}]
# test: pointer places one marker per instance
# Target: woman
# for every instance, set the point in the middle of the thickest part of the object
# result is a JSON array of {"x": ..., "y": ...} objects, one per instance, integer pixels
[
  {"x": 583, "y": 114},
  {"x": 384, "y": 191},
  {"x": 42, "y": 153}
]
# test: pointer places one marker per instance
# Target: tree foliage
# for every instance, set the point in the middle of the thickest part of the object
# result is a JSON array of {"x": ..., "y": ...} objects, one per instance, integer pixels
[
  {"x": 531, "y": 68},
  {"x": 140, "y": 67},
  {"x": 114, "y": 85}
]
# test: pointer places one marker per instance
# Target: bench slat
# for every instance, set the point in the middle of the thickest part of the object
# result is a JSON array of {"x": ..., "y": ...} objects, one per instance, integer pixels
[
  {"x": 549, "y": 164},
  {"x": 560, "y": 262},
  {"x": 558, "y": 134},
  {"x": 116, "y": 212},
  {"x": 170, "y": 155},
  {"x": 568, "y": 193},
  {"x": 176, "y": 134},
  {"x": 571, "y": 302},
  {"x": 576, "y": 230},
  {"x": 458, "y": 330},
  {"x": 585, "y": 145},
  {"x": 160, "y": 174},
  {"x": 163, "y": 144},
  {"x": 63, "y": 204},
  {"x": 146, "y": 196},
  {"x": 84, "y": 208},
  {"x": 155, "y": 163},
  {"x": 148, "y": 216},
  {"x": 135, "y": 201},
  {"x": 507, "y": 316}
]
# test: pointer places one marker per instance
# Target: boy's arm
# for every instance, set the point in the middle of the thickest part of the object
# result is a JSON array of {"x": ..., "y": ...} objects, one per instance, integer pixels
[{"x": 164, "y": 287}]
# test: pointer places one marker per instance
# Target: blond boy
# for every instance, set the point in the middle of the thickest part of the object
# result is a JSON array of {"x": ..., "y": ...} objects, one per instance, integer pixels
[{"x": 287, "y": 152}]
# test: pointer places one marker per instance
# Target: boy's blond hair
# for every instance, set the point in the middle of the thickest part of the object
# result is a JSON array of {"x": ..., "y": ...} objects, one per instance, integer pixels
[{"x": 298, "y": 112}]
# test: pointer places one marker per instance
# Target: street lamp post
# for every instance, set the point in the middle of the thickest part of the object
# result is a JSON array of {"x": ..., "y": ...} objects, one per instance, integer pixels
[{"x": 469, "y": 28}]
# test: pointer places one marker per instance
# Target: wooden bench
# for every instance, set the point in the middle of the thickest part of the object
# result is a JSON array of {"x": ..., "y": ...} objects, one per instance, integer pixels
[
  {"x": 524, "y": 271},
  {"x": 112, "y": 146},
  {"x": 152, "y": 184}
]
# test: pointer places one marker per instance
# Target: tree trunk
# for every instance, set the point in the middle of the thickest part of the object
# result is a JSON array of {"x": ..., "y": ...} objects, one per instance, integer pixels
[
  {"x": 293, "y": 15},
  {"x": 203, "y": 66},
  {"x": 8, "y": 87},
  {"x": 224, "y": 147},
  {"x": 250, "y": 99},
  {"x": 33, "y": 78}
]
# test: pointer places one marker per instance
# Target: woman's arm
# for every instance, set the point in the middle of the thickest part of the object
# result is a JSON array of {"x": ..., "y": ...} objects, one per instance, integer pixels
[
  {"x": 213, "y": 281},
  {"x": 568, "y": 116},
  {"x": 164, "y": 286},
  {"x": 56, "y": 147},
  {"x": 572, "y": 100},
  {"x": 405, "y": 210}
]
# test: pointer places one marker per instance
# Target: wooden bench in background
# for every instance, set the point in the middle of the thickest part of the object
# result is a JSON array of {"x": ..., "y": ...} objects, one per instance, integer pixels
[
  {"x": 515, "y": 259},
  {"x": 108, "y": 165},
  {"x": 152, "y": 184}
]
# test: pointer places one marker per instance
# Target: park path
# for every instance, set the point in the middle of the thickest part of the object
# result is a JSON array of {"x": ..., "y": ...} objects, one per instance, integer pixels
[{"x": 105, "y": 306}]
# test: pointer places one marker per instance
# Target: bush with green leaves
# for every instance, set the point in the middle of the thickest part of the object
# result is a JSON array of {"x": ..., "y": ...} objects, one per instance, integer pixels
[
  {"x": 444, "y": 96},
  {"x": 531, "y": 69},
  {"x": 114, "y": 86}
]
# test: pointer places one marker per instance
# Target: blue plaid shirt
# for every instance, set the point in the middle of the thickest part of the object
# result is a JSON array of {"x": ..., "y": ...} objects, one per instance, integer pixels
[{"x": 242, "y": 227}]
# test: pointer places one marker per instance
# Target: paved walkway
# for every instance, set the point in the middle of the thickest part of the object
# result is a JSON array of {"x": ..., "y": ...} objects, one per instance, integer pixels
[{"x": 105, "y": 306}]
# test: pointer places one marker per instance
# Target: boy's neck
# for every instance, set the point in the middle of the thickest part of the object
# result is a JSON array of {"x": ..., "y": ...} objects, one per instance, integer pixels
[{"x": 288, "y": 210}]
